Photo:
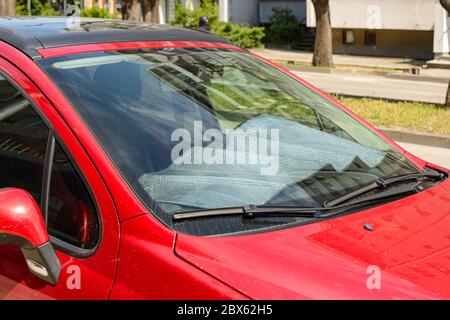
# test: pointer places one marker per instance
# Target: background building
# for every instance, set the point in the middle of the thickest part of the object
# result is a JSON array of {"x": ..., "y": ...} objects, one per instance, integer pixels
[
  {"x": 258, "y": 11},
  {"x": 251, "y": 12},
  {"x": 403, "y": 28},
  {"x": 413, "y": 28}
]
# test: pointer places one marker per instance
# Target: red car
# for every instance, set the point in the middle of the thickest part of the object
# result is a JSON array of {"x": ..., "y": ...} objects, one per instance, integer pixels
[{"x": 152, "y": 162}]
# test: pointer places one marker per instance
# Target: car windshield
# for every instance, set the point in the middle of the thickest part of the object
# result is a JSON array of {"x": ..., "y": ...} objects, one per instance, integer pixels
[{"x": 195, "y": 129}]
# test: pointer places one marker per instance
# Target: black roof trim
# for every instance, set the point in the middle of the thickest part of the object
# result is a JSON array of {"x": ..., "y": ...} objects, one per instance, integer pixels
[
  {"x": 30, "y": 34},
  {"x": 27, "y": 44}
]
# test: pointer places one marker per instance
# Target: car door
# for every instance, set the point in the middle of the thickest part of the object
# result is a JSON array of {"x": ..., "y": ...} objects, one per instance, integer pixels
[{"x": 40, "y": 154}]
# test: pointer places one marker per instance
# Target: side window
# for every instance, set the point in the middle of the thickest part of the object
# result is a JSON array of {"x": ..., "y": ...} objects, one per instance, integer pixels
[
  {"x": 71, "y": 213},
  {"x": 23, "y": 142}
]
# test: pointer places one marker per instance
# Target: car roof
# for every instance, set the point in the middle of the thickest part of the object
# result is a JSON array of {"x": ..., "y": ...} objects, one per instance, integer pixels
[{"x": 30, "y": 34}]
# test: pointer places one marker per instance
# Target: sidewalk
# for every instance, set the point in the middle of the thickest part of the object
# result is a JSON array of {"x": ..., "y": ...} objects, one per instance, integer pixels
[
  {"x": 360, "y": 76},
  {"x": 439, "y": 156},
  {"x": 380, "y": 64},
  {"x": 375, "y": 86}
]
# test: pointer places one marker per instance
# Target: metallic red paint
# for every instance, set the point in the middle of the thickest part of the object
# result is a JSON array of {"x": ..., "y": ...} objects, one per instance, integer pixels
[
  {"x": 329, "y": 260},
  {"x": 149, "y": 269},
  {"x": 322, "y": 260},
  {"x": 98, "y": 270},
  {"x": 62, "y": 51},
  {"x": 21, "y": 217},
  {"x": 61, "y": 114}
]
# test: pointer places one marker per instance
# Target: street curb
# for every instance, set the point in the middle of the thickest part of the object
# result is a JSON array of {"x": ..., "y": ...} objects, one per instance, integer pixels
[
  {"x": 417, "y": 78},
  {"x": 427, "y": 139},
  {"x": 361, "y": 71},
  {"x": 362, "y": 96}
]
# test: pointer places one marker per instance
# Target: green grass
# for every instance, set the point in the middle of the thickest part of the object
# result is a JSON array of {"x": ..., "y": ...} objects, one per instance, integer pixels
[{"x": 414, "y": 116}]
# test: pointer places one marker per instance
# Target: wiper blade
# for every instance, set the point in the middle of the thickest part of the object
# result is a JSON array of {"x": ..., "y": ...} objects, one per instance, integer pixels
[
  {"x": 250, "y": 212},
  {"x": 329, "y": 208},
  {"x": 383, "y": 184}
]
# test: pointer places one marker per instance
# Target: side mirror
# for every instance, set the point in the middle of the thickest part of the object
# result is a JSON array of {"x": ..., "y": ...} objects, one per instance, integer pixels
[{"x": 21, "y": 223}]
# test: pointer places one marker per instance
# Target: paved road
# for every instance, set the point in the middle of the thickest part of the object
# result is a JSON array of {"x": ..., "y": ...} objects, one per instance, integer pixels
[
  {"x": 349, "y": 62},
  {"x": 338, "y": 59},
  {"x": 377, "y": 86},
  {"x": 439, "y": 156}
]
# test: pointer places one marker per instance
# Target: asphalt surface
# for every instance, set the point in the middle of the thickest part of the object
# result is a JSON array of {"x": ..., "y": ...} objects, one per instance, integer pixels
[{"x": 361, "y": 85}]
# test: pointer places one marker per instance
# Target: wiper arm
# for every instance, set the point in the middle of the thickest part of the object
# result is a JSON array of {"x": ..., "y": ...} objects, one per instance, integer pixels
[
  {"x": 250, "y": 212},
  {"x": 253, "y": 211},
  {"x": 382, "y": 184}
]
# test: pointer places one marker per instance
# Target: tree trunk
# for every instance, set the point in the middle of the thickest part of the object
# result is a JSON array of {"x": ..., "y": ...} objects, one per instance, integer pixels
[
  {"x": 155, "y": 12},
  {"x": 323, "y": 50},
  {"x": 132, "y": 10},
  {"x": 11, "y": 8},
  {"x": 151, "y": 11},
  {"x": 7, "y": 7},
  {"x": 446, "y": 4},
  {"x": 126, "y": 7},
  {"x": 447, "y": 102}
]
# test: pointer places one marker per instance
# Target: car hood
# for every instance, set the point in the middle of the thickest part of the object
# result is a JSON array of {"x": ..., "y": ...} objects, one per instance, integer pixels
[{"x": 408, "y": 248}]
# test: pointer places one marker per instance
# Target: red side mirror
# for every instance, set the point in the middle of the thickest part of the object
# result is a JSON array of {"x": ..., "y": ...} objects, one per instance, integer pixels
[{"x": 21, "y": 222}]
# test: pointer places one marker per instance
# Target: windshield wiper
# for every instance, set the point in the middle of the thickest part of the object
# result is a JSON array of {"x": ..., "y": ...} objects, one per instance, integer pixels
[
  {"x": 329, "y": 208},
  {"x": 382, "y": 184},
  {"x": 250, "y": 212}
]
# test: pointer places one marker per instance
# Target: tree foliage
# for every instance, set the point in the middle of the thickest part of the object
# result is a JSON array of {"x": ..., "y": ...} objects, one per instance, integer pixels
[
  {"x": 240, "y": 35},
  {"x": 283, "y": 27},
  {"x": 96, "y": 12},
  {"x": 190, "y": 18},
  {"x": 38, "y": 8}
]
